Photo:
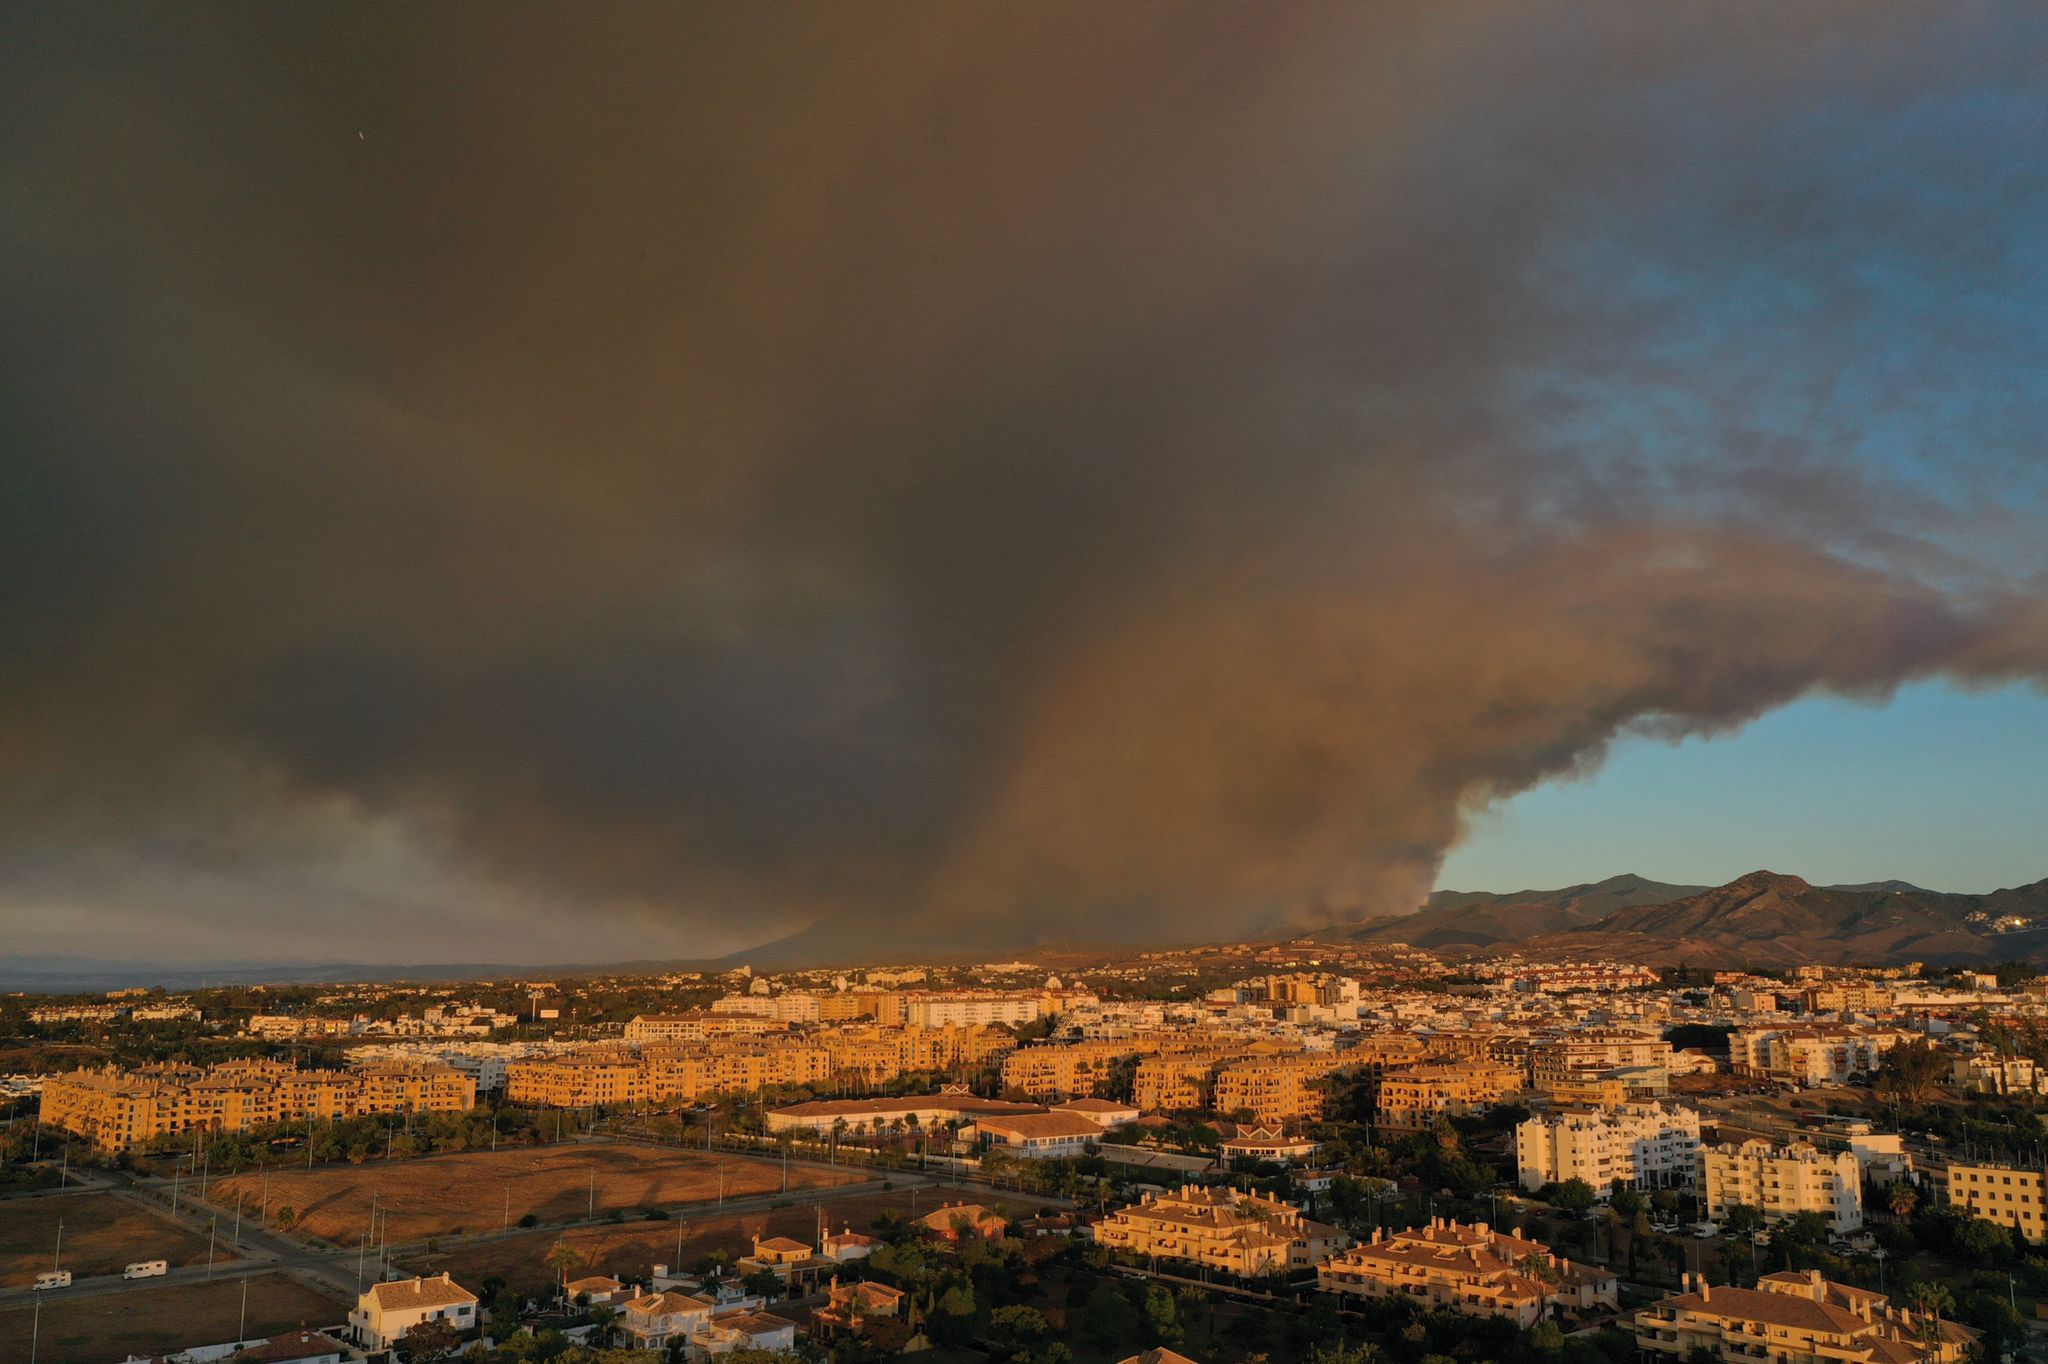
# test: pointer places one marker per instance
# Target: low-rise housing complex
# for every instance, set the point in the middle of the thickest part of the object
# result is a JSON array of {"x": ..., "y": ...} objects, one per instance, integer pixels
[
  {"x": 1472, "y": 1269},
  {"x": 1795, "y": 1317},
  {"x": 116, "y": 1109},
  {"x": 1222, "y": 1229}
]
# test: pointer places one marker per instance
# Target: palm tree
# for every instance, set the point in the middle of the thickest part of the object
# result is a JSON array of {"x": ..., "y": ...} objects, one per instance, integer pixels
[
  {"x": 1902, "y": 1198},
  {"x": 1930, "y": 1300},
  {"x": 1539, "y": 1268},
  {"x": 565, "y": 1257}
]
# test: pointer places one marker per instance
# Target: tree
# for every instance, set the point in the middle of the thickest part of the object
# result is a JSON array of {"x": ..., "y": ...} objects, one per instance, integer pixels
[
  {"x": 1162, "y": 1318},
  {"x": 1109, "y": 1318},
  {"x": 1339, "y": 1352},
  {"x": 563, "y": 1257},
  {"x": 1740, "y": 1219},
  {"x": 1016, "y": 1328},
  {"x": 1930, "y": 1300},
  {"x": 1574, "y": 1195},
  {"x": 1912, "y": 1070},
  {"x": 1901, "y": 1198},
  {"x": 430, "y": 1340}
]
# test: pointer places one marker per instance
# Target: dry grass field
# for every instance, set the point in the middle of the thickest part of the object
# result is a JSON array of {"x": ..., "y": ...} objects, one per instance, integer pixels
[
  {"x": 521, "y": 1261},
  {"x": 103, "y": 1233},
  {"x": 482, "y": 1190},
  {"x": 154, "y": 1321}
]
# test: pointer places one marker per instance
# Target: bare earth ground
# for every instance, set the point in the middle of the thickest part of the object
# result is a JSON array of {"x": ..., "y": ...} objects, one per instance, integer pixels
[
  {"x": 442, "y": 1195},
  {"x": 154, "y": 1321},
  {"x": 102, "y": 1235},
  {"x": 521, "y": 1261}
]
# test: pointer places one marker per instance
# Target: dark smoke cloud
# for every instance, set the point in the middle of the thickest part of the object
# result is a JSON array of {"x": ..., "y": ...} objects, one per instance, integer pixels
[{"x": 635, "y": 481}]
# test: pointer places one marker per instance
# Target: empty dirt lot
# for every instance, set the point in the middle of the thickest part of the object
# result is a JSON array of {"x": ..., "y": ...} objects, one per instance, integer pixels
[
  {"x": 154, "y": 1321},
  {"x": 103, "y": 1234},
  {"x": 482, "y": 1190},
  {"x": 521, "y": 1261}
]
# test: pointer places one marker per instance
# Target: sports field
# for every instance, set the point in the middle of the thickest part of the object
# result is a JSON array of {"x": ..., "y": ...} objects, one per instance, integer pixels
[
  {"x": 103, "y": 1234},
  {"x": 154, "y": 1321},
  {"x": 486, "y": 1190}
]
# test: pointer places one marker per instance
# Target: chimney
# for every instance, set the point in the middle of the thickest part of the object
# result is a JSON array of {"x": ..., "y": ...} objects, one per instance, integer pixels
[{"x": 1706, "y": 1291}]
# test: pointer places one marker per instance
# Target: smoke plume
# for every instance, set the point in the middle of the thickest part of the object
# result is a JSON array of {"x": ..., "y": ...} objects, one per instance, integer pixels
[{"x": 636, "y": 481}]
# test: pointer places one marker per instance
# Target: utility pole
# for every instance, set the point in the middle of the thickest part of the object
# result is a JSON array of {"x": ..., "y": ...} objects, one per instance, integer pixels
[
  {"x": 57, "y": 1259},
  {"x": 212, "y": 1225},
  {"x": 242, "y": 1327},
  {"x": 266, "y": 1199},
  {"x": 508, "y": 1208},
  {"x": 591, "y": 1212},
  {"x": 35, "y": 1330},
  {"x": 238, "y": 1218}
]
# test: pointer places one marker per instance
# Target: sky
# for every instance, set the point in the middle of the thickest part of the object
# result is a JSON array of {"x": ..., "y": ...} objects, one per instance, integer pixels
[
  {"x": 1943, "y": 788},
  {"x": 509, "y": 482}
]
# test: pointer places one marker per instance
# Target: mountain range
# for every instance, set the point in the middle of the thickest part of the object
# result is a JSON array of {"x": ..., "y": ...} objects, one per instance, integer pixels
[{"x": 1762, "y": 919}]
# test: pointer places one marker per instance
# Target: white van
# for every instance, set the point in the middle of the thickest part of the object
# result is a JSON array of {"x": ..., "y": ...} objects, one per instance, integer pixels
[
  {"x": 146, "y": 1269},
  {"x": 56, "y": 1278}
]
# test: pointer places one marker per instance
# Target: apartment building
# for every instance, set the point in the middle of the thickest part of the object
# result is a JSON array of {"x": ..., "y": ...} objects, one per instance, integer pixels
[
  {"x": 1573, "y": 1054},
  {"x": 2010, "y": 1195},
  {"x": 580, "y": 1079},
  {"x": 971, "y": 1008},
  {"x": 1067, "y": 1070},
  {"x": 1989, "y": 1073},
  {"x": 699, "y": 1026},
  {"x": 1413, "y": 1099},
  {"x": 1635, "y": 1146},
  {"x": 1277, "y": 1089},
  {"x": 1783, "y": 1181},
  {"x": 1472, "y": 1269},
  {"x": 116, "y": 1109},
  {"x": 1177, "y": 1082},
  {"x": 1819, "y": 1054},
  {"x": 1222, "y": 1229},
  {"x": 1793, "y": 1317}
]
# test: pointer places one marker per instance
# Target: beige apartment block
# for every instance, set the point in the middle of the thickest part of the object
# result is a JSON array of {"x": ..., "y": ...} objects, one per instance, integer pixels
[
  {"x": 2009, "y": 1195},
  {"x": 1068, "y": 1070},
  {"x": 1413, "y": 1099},
  {"x": 1784, "y": 1181},
  {"x": 117, "y": 1109},
  {"x": 1471, "y": 1269},
  {"x": 1221, "y": 1229},
  {"x": 1795, "y": 1317}
]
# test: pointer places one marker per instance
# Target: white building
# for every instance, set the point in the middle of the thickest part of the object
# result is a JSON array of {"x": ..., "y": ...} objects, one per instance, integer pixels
[
  {"x": 1783, "y": 1181},
  {"x": 970, "y": 1009},
  {"x": 1635, "y": 1146},
  {"x": 386, "y": 1311},
  {"x": 1039, "y": 1136}
]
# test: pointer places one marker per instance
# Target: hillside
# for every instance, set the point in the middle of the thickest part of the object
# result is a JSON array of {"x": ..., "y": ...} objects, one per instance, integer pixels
[
  {"x": 1769, "y": 919},
  {"x": 1452, "y": 919}
]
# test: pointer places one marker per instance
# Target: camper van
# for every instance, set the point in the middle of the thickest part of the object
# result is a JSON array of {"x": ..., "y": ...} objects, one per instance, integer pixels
[
  {"x": 56, "y": 1278},
  {"x": 146, "y": 1269}
]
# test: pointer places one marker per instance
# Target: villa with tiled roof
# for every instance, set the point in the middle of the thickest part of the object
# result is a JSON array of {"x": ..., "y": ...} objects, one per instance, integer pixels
[
  {"x": 1222, "y": 1229},
  {"x": 1472, "y": 1269},
  {"x": 1792, "y": 1317}
]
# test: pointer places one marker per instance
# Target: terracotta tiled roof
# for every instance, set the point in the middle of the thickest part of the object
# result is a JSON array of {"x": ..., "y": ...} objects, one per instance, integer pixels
[{"x": 410, "y": 1293}]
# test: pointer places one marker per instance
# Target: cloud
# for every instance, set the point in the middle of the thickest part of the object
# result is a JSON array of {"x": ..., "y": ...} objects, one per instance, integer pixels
[{"x": 1079, "y": 473}]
